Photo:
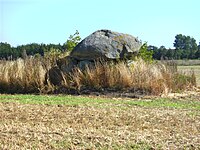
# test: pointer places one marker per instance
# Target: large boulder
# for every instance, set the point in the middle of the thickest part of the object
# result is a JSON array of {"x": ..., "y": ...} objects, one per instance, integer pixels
[
  {"x": 102, "y": 45},
  {"x": 106, "y": 44}
]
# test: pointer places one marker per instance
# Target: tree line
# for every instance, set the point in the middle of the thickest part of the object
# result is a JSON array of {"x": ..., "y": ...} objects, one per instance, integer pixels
[
  {"x": 10, "y": 53},
  {"x": 185, "y": 47}
]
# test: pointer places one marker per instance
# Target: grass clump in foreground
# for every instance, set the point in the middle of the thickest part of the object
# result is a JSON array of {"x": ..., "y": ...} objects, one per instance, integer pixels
[{"x": 31, "y": 76}]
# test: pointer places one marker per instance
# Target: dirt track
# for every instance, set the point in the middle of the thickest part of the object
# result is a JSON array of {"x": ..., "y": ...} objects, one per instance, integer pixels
[{"x": 25, "y": 126}]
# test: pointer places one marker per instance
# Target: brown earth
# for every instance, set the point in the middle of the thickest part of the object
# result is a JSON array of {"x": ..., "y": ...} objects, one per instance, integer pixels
[{"x": 28, "y": 126}]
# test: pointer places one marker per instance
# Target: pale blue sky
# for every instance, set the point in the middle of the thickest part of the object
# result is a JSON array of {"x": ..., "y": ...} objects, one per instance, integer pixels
[{"x": 52, "y": 21}]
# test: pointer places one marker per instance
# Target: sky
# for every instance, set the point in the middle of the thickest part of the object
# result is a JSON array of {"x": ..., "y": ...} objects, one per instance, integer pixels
[{"x": 156, "y": 22}]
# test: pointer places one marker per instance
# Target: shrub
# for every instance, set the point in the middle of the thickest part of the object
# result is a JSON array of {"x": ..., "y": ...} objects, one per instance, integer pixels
[
  {"x": 145, "y": 54},
  {"x": 72, "y": 41}
]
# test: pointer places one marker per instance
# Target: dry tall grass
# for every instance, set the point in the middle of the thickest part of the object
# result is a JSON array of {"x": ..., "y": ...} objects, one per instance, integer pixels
[
  {"x": 23, "y": 75},
  {"x": 29, "y": 76},
  {"x": 149, "y": 78}
]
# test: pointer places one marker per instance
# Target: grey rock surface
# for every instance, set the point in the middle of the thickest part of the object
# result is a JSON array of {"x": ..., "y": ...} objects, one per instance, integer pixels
[{"x": 106, "y": 44}]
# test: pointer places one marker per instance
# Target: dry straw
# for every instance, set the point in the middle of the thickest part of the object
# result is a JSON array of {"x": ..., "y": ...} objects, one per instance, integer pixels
[{"x": 30, "y": 76}]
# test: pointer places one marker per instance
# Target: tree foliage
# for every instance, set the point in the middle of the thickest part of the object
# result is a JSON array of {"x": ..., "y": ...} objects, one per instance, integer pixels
[
  {"x": 185, "y": 48},
  {"x": 185, "y": 42},
  {"x": 72, "y": 41},
  {"x": 9, "y": 52},
  {"x": 145, "y": 53}
]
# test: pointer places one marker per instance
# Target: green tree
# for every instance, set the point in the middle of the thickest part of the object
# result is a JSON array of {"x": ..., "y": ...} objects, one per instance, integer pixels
[
  {"x": 170, "y": 54},
  {"x": 145, "y": 53},
  {"x": 187, "y": 45},
  {"x": 72, "y": 41},
  {"x": 179, "y": 41},
  {"x": 5, "y": 51},
  {"x": 156, "y": 52},
  {"x": 178, "y": 54},
  {"x": 197, "y": 54},
  {"x": 194, "y": 44},
  {"x": 163, "y": 52}
]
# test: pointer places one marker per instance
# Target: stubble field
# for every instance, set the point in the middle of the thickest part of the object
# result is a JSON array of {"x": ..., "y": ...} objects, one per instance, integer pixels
[
  {"x": 195, "y": 68},
  {"x": 78, "y": 122}
]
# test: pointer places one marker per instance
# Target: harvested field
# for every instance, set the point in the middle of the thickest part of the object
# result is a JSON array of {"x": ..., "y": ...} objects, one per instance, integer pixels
[
  {"x": 196, "y": 70},
  {"x": 98, "y": 123}
]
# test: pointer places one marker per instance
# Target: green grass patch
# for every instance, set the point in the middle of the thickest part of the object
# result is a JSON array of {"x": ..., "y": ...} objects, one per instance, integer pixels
[
  {"x": 168, "y": 103},
  {"x": 100, "y": 102}
]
